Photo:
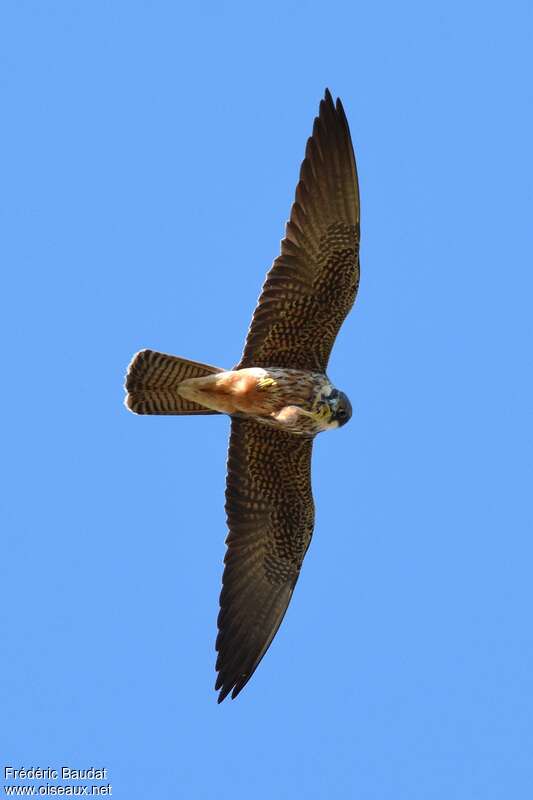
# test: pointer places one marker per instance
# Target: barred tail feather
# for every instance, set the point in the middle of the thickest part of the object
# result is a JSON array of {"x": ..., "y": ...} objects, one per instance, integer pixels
[{"x": 152, "y": 380}]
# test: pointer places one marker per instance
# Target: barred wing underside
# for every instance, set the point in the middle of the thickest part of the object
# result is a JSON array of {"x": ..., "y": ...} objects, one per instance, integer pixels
[
  {"x": 270, "y": 511},
  {"x": 313, "y": 283}
]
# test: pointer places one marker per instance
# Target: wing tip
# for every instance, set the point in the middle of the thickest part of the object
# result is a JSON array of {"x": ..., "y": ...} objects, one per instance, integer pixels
[
  {"x": 223, "y": 693},
  {"x": 328, "y": 105},
  {"x": 234, "y": 687}
]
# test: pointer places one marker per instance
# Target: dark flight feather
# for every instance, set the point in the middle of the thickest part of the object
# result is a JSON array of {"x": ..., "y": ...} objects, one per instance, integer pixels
[
  {"x": 313, "y": 283},
  {"x": 270, "y": 512}
]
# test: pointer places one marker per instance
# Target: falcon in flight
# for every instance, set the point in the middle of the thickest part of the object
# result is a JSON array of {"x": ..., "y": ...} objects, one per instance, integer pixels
[{"x": 278, "y": 397}]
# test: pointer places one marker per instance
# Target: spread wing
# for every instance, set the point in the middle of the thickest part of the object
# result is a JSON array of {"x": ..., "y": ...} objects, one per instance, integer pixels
[
  {"x": 270, "y": 512},
  {"x": 312, "y": 284}
]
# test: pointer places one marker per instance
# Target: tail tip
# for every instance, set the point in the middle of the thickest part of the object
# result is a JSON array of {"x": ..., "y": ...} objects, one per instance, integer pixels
[
  {"x": 129, "y": 381},
  {"x": 128, "y": 403}
]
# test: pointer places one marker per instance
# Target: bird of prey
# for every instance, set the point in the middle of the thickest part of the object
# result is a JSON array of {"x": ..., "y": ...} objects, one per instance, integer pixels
[{"x": 278, "y": 397}]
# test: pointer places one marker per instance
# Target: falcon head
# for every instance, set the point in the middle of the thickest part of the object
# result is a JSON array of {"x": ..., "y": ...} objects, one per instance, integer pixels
[{"x": 340, "y": 406}]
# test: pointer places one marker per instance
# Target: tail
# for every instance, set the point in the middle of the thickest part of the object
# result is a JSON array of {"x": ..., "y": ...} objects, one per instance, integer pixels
[{"x": 152, "y": 380}]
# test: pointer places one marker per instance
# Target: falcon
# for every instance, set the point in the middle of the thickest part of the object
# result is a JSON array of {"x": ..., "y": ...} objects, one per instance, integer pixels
[{"x": 278, "y": 397}]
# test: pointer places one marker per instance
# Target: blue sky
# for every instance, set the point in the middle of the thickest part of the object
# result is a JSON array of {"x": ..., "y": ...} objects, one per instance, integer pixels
[{"x": 151, "y": 151}]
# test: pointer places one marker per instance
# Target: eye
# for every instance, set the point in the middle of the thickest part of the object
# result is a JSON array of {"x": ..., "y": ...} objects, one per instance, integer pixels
[{"x": 341, "y": 413}]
